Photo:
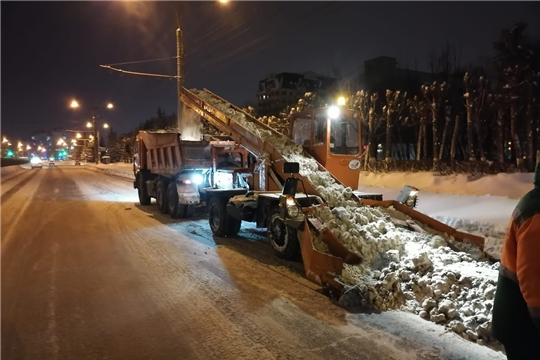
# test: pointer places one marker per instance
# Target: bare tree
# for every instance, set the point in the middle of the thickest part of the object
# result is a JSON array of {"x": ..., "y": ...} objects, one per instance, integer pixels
[
  {"x": 366, "y": 104},
  {"x": 434, "y": 95},
  {"x": 395, "y": 103},
  {"x": 468, "y": 96}
]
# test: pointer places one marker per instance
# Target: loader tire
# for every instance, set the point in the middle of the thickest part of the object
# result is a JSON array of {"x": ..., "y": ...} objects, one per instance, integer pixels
[
  {"x": 161, "y": 198},
  {"x": 220, "y": 222},
  {"x": 175, "y": 210},
  {"x": 144, "y": 198},
  {"x": 283, "y": 238},
  {"x": 217, "y": 216}
]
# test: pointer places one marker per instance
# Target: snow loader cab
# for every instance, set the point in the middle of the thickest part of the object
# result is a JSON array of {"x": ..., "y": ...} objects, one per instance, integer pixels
[{"x": 333, "y": 137}]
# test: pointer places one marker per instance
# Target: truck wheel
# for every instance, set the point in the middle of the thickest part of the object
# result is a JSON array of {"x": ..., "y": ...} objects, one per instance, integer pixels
[
  {"x": 144, "y": 198},
  {"x": 161, "y": 199},
  {"x": 175, "y": 209},
  {"x": 217, "y": 217},
  {"x": 283, "y": 238}
]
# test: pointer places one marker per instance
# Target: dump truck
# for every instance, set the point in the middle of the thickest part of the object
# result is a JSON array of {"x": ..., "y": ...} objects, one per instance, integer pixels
[{"x": 240, "y": 176}]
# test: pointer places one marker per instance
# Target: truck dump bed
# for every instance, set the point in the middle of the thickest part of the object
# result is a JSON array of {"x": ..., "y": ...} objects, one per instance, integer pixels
[{"x": 163, "y": 153}]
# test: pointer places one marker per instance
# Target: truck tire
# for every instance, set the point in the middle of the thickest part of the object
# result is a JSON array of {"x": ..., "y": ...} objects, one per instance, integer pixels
[
  {"x": 144, "y": 198},
  {"x": 283, "y": 238},
  {"x": 175, "y": 210},
  {"x": 161, "y": 198}
]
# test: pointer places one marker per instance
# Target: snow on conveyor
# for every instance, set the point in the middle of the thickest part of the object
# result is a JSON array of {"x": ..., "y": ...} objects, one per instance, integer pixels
[{"x": 429, "y": 274}]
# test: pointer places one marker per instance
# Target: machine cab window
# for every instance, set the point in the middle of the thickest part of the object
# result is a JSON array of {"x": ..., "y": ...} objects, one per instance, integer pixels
[
  {"x": 301, "y": 132},
  {"x": 344, "y": 136}
]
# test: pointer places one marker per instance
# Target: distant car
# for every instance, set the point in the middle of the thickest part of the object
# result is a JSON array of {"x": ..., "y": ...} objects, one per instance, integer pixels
[
  {"x": 36, "y": 163},
  {"x": 77, "y": 162},
  {"x": 51, "y": 162}
]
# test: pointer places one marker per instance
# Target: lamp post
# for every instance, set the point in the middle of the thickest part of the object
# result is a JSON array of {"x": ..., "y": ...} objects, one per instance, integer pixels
[{"x": 74, "y": 104}]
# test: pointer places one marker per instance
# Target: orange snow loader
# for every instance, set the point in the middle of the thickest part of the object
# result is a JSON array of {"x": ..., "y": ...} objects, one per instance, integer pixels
[{"x": 240, "y": 176}]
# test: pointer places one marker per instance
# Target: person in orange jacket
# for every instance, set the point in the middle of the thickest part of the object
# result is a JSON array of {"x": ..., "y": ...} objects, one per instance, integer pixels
[{"x": 516, "y": 310}]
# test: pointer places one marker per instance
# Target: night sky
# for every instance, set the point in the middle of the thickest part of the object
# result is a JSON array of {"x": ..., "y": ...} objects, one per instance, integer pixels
[{"x": 51, "y": 51}]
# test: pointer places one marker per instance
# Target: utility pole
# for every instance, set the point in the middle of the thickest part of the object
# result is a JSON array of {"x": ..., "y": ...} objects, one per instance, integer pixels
[
  {"x": 179, "y": 76},
  {"x": 96, "y": 136}
]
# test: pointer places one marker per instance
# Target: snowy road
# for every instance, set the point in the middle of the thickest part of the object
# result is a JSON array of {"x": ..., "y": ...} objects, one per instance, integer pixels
[{"x": 88, "y": 273}]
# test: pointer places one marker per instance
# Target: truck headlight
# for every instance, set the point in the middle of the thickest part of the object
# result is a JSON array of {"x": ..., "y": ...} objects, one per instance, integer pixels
[{"x": 197, "y": 179}]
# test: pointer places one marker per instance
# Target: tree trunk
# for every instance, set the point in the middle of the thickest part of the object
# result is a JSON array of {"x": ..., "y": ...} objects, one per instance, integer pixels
[
  {"x": 454, "y": 141},
  {"x": 479, "y": 138},
  {"x": 419, "y": 142},
  {"x": 371, "y": 137},
  {"x": 388, "y": 147},
  {"x": 530, "y": 135},
  {"x": 444, "y": 134},
  {"x": 499, "y": 139},
  {"x": 515, "y": 137},
  {"x": 470, "y": 130},
  {"x": 435, "y": 134}
]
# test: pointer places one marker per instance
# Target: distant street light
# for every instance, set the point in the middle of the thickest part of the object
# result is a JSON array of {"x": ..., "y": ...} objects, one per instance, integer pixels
[
  {"x": 92, "y": 124},
  {"x": 4, "y": 140},
  {"x": 28, "y": 147},
  {"x": 223, "y": 1},
  {"x": 78, "y": 136}
]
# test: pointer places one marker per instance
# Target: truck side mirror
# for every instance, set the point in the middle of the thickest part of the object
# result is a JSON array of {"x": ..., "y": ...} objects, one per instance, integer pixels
[{"x": 291, "y": 168}]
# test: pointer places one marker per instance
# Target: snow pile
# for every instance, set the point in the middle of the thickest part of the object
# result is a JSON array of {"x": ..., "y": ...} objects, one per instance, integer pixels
[
  {"x": 493, "y": 234},
  {"x": 513, "y": 186},
  {"x": 429, "y": 274}
]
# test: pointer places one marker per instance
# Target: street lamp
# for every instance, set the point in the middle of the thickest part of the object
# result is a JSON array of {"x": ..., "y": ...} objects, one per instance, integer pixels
[
  {"x": 4, "y": 140},
  {"x": 78, "y": 136},
  {"x": 92, "y": 124}
]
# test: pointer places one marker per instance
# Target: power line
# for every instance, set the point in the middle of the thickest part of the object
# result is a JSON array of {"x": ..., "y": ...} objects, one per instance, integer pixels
[
  {"x": 139, "y": 73},
  {"x": 142, "y": 61}
]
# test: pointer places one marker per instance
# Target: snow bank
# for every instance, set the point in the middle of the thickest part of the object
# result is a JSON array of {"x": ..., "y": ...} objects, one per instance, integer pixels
[
  {"x": 509, "y": 185},
  {"x": 9, "y": 170},
  {"x": 122, "y": 170},
  {"x": 429, "y": 274}
]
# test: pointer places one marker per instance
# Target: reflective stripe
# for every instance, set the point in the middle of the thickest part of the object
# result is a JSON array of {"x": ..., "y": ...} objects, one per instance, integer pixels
[
  {"x": 535, "y": 312},
  {"x": 508, "y": 273}
]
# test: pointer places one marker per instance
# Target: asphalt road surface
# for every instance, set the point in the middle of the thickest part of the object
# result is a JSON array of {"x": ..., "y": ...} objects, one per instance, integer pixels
[{"x": 87, "y": 273}]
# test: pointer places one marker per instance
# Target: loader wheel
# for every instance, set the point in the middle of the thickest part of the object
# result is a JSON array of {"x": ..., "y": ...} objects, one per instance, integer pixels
[
  {"x": 175, "y": 210},
  {"x": 283, "y": 238},
  {"x": 144, "y": 198},
  {"x": 161, "y": 199},
  {"x": 217, "y": 217},
  {"x": 221, "y": 223}
]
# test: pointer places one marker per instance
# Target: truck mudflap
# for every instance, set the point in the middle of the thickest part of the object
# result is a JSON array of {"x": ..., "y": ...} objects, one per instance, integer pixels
[{"x": 188, "y": 194}]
